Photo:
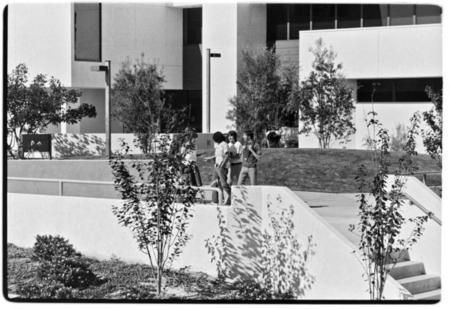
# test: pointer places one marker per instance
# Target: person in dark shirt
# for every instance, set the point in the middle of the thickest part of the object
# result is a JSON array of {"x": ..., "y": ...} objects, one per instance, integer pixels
[{"x": 251, "y": 153}]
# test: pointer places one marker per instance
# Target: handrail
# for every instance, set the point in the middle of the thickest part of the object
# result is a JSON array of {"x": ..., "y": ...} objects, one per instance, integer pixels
[
  {"x": 61, "y": 181},
  {"x": 423, "y": 173}
]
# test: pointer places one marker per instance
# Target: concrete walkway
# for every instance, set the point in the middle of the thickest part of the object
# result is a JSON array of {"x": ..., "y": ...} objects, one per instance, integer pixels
[{"x": 338, "y": 209}]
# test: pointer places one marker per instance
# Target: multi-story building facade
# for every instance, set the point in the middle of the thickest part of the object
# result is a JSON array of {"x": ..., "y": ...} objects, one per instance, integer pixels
[{"x": 397, "y": 47}]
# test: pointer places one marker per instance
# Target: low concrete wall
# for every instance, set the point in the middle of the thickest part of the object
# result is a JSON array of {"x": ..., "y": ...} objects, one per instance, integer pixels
[
  {"x": 93, "y": 144},
  {"x": 90, "y": 225},
  {"x": 92, "y": 228}
]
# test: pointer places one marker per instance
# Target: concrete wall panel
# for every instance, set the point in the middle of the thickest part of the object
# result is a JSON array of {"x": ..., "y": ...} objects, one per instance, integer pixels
[
  {"x": 38, "y": 36},
  {"x": 379, "y": 52}
]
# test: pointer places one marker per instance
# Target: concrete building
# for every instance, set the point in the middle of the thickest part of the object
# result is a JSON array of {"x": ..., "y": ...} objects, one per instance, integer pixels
[{"x": 399, "y": 47}]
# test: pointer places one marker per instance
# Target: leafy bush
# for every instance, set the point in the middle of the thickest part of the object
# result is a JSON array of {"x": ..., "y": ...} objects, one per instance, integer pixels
[
  {"x": 59, "y": 262},
  {"x": 47, "y": 247}
]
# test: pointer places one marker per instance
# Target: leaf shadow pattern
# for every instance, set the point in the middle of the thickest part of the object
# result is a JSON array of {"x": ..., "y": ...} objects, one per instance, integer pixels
[
  {"x": 244, "y": 223},
  {"x": 258, "y": 250},
  {"x": 76, "y": 145}
]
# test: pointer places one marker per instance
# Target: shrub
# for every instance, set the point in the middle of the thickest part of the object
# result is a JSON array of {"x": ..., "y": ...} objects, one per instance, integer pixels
[{"x": 60, "y": 262}]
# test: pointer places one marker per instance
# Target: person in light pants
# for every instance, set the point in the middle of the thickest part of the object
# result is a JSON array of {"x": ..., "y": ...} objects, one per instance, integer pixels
[{"x": 220, "y": 167}]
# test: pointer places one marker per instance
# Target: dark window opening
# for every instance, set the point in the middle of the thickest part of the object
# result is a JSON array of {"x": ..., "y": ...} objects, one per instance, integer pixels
[
  {"x": 396, "y": 90},
  {"x": 87, "y": 31},
  {"x": 192, "y": 21},
  {"x": 428, "y": 14},
  {"x": 276, "y": 22},
  {"x": 323, "y": 16},
  {"x": 188, "y": 101},
  {"x": 349, "y": 15},
  {"x": 299, "y": 18},
  {"x": 375, "y": 15}
]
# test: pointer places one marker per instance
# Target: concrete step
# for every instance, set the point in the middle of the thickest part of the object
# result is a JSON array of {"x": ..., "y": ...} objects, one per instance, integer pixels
[
  {"x": 430, "y": 295},
  {"x": 406, "y": 269},
  {"x": 421, "y": 283}
]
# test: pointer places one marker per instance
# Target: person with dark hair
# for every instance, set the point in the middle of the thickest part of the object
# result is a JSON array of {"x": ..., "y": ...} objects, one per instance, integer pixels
[
  {"x": 220, "y": 166},
  {"x": 251, "y": 153},
  {"x": 188, "y": 152},
  {"x": 235, "y": 153}
]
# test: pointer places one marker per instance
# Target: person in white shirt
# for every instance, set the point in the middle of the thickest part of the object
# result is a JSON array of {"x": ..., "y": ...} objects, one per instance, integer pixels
[
  {"x": 220, "y": 167},
  {"x": 235, "y": 164}
]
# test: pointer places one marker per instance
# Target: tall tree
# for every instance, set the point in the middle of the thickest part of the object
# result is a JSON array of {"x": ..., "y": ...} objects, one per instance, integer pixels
[
  {"x": 33, "y": 107},
  {"x": 326, "y": 104},
  {"x": 139, "y": 102},
  {"x": 264, "y": 90}
]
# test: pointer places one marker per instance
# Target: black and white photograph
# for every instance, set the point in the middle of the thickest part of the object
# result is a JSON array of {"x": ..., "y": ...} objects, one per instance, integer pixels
[{"x": 279, "y": 152}]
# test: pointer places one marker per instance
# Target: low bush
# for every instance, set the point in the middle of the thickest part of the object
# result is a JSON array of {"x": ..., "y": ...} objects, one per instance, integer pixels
[{"x": 60, "y": 262}]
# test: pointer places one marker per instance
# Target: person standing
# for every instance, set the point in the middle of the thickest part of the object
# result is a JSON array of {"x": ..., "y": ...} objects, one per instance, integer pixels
[
  {"x": 235, "y": 149},
  {"x": 220, "y": 167},
  {"x": 251, "y": 153},
  {"x": 189, "y": 154}
]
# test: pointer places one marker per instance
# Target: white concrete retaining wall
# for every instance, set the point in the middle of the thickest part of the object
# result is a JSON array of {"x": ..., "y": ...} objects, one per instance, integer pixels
[{"x": 90, "y": 225}]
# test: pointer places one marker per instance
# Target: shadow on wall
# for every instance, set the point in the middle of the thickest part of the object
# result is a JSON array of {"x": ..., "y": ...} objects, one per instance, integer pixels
[
  {"x": 242, "y": 238},
  {"x": 75, "y": 145}
]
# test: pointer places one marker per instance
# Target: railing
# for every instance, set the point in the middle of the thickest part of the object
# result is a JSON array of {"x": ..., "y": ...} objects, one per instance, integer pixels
[
  {"x": 421, "y": 173},
  {"x": 61, "y": 182}
]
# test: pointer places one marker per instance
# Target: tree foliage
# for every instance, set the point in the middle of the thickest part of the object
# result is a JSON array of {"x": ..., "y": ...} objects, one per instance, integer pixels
[
  {"x": 139, "y": 102},
  {"x": 381, "y": 220},
  {"x": 33, "y": 106},
  {"x": 326, "y": 104},
  {"x": 432, "y": 138},
  {"x": 265, "y": 89},
  {"x": 156, "y": 203}
]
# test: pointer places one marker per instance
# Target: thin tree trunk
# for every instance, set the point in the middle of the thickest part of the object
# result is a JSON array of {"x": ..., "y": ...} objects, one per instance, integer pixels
[{"x": 159, "y": 248}]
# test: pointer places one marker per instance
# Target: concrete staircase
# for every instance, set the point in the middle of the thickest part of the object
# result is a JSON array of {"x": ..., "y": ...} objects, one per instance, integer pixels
[{"x": 412, "y": 276}]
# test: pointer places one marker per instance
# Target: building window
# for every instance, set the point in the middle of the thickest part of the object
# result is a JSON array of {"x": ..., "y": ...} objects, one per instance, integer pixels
[
  {"x": 428, "y": 14},
  {"x": 401, "y": 14},
  {"x": 375, "y": 15},
  {"x": 396, "y": 90},
  {"x": 87, "y": 31},
  {"x": 323, "y": 16},
  {"x": 276, "y": 22},
  {"x": 349, "y": 15},
  {"x": 299, "y": 19},
  {"x": 192, "y": 20}
]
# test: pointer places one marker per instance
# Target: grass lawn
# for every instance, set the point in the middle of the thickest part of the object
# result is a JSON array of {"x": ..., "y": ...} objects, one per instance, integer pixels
[
  {"x": 320, "y": 170},
  {"x": 122, "y": 280}
]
